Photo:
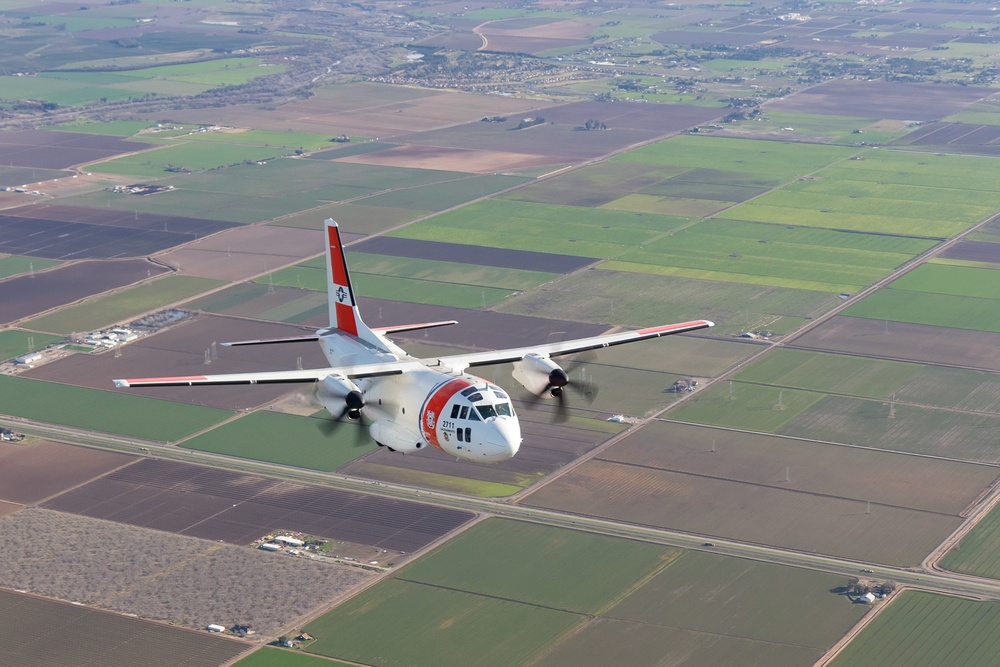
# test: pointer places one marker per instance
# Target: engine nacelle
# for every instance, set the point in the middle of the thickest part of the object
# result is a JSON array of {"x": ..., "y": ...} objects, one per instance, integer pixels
[
  {"x": 339, "y": 395},
  {"x": 538, "y": 373},
  {"x": 397, "y": 438}
]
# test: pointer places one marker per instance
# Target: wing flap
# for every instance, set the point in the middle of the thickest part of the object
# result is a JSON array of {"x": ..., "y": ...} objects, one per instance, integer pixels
[{"x": 272, "y": 377}]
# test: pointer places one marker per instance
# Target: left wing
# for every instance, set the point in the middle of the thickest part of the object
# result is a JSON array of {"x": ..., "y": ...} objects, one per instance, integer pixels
[
  {"x": 274, "y": 377},
  {"x": 567, "y": 347}
]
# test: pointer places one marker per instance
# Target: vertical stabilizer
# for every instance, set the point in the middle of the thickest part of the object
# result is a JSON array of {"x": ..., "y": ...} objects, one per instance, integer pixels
[{"x": 344, "y": 312}]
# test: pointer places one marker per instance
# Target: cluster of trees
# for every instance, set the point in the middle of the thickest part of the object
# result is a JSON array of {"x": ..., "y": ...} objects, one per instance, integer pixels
[
  {"x": 594, "y": 125},
  {"x": 529, "y": 122},
  {"x": 858, "y": 587}
]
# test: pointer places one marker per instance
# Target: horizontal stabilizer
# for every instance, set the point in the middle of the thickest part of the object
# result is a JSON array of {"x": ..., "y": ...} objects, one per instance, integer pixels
[
  {"x": 413, "y": 327},
  {"x": 272, "y": 341}
]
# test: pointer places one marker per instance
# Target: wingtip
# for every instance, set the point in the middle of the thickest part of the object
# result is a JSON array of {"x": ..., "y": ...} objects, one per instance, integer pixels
[
  {"x": 121, "y": 383},
  {"x": 709, "y": 323},
  {"x": 330, "y": 222}
]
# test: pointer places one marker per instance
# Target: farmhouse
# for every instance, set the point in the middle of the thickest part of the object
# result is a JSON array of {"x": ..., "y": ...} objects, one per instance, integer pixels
[
  {"x": 288, "y": 541},
  {"x": 28, "y": 359}
]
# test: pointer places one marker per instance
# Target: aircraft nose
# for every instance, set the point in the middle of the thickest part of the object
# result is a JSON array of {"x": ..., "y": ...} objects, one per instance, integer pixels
[{"x": 504, "y": 439}]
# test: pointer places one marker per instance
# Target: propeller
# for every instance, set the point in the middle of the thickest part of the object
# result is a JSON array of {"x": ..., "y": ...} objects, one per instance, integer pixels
[
  {"x": 560, "y": 379},
  {"x": 332, "y": 391}
]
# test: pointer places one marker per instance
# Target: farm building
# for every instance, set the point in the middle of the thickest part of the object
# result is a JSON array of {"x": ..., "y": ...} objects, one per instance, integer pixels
[
  {"x": 215, "y": 627},
  {"x": 867, "y": 598},
  {"x": 270, "y": 546},
  {"x": 29, "y": 358},
  {"x": 288, "y": 541}
]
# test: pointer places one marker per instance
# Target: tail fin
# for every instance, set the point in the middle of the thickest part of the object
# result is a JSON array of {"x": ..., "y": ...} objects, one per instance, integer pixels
[{"x": 344, "y": 312}]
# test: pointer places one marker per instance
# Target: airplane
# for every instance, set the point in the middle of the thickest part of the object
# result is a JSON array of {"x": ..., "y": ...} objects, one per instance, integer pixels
[{"x": 408, "y": 403}]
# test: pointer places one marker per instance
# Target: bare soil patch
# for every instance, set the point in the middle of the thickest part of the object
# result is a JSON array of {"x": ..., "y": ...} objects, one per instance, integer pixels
[
  {"x": 481, "y": 256},
  {"x": 27, "y": 295},
  {"x": 236, "y": 508},
  {"x": 56, "y": 633},
  {"x": 47, "y": 149},
  {"x": 243, "y": 252},
  {"x": 905, "y": 342},
  {"x": 155, "y": 575},
  {"x": 449, "y": 159},
  {"x": 973, "y": 251},
  {"x": 32, "y": 472},
  {"x": 879, "y": 99},
  {"x": 75, "y": 232}
]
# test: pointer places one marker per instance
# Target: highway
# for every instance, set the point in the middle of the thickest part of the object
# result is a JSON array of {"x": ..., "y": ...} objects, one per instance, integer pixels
[{"x": 918, "y": 577}]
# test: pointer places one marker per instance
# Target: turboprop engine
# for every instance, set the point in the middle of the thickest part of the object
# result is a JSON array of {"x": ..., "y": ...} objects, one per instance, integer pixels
[
  {"x": 540, "y": 375},
  {"x": 340, "y": 396}
]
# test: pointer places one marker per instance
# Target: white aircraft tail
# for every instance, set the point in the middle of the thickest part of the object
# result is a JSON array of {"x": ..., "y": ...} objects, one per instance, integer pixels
[{"x": 345, "y": 315}]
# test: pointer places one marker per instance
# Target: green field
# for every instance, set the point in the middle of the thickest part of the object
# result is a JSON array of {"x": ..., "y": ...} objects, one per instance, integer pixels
[
  {"x": 104, "y": 411},
  {"x": 441, "y": 196},
  {"x": 776, "y": 255},
  {"x": 763, "y": 159},
  {"x": 502, "y": 223},
  {"x": 14, "y": 342},
  {"x": 926, "y": 630},
  {"x": 622, "y": 298},
  {"x": 122, "y": 305},
  {"x": 903, "y": 428},
  {"x": 978, "y": 553},
  {"x": 285, "y": 439},
  {"x": 539, "y": 565},
  {"x": 752, "y": 407},
  {"x": 397, "y": 624},
  {"x": 352, "y": 218},
  {"x": 193, "y": 156},
  {"x": 830, "y": 373},
  {"x": 942, "y": 310},
  {"x": 12, "y": 265}
]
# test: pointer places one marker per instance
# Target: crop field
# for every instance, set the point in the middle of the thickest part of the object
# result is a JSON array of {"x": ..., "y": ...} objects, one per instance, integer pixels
[
  {"x": 617, "y": 296},
  {"x": 900, "y": 340},
  {"x": 820, "y": 127},
  {"x": 764, "y": 159},
  {"x": 958, "y": 388},
  {"x": 184, "y": 580},
  {"x": 437, "y": 626},
  {"x": 45, "y": 149},
  {"x": 352, "y": 218},
  {"x": 189, "y": 157},
  {"x": 846, "y": 220},
  {"x": 14, "y": 342},
  {"x": 539, "y": 565},
  {"x": 74, "y": 634},
  {"x": 285, "y": 439},
  {"x": 977, "y": 553},
  {"x": 524, "y": 226},
  {"x": 104, "y": 411},
  {"x": 32, "y": 472},
  {"x": 940, "y": 310},
  {"x": 806, "y": 258},
  {"x": 267, "y": 138},
  {"x": 594, "y": 185},
  {"x": 689, "y": 356},
  {"x": 921, "y": 629},
  {"x": 751, "y": 512},
  {"x": 800, "y": 466},
  {"x": 122, "y": 305},
  {"x": 886, "y": 425},
  {"x": 12, "y": 265},
  {"x": 965, "y": 173},
  {"x": 449, "y": 272},
  {"x": 830, "y": 373}
]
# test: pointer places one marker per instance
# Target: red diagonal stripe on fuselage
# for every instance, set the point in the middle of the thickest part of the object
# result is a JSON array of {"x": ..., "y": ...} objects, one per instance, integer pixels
[{"x": 430, "y": 414}]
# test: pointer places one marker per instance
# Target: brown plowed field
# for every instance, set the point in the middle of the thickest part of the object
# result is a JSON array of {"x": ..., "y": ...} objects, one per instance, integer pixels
[
  {"x": 974, "y": 251},
  {"x": 907, "y": 342},
  {"x": 27, "y": 295},
  {"x": 450, "y": 159},
  {"x": 8, "y": 508},
  {"x": 180, "y": 350},
  {"x": 878, "y": 99},
  {"x": 477, "y": 255},
  {"x": 57, "y": 150},
  {"x": 74, "y": 232},
  {"x": 243, "y": 252},
  {"x": 46, "y": 633},
  {"x": 236, "y": 508},
  {"x": 30, "y": 473}
]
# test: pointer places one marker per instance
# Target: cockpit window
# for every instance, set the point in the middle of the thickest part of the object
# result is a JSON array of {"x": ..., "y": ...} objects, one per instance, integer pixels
[
  {"x": 473, "y": 416},
  {"x": 469, "y": 390},
  {"x": 503, "y": 409},
  {"x": 499, "y": 394},
  {"x": 475, "y": 398},
  {"x": 486, "y": 411},
  {"x": 464, "y": 413}
]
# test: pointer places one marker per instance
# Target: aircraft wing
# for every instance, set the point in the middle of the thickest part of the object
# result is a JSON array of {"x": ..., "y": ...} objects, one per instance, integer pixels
[
  {"x": 568, "y": 346},
  {"x": 274, "y": 377}
]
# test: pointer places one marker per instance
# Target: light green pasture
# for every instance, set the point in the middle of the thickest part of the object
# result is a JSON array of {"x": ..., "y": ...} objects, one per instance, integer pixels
[
  {"x": 954, "y": 280},
  {"x": 943, "y": 310},
  {"x": 745, "y": 406},
  {"x": 14, "y": 342},
  {"x": 12, "y": 265},
  {"x": 193, "y": 156}
]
